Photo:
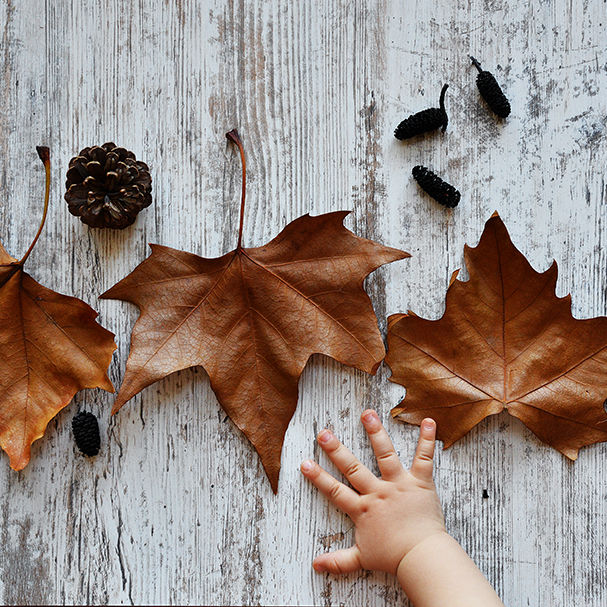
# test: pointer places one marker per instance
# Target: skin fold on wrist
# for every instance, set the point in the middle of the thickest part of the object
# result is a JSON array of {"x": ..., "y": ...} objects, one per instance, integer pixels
[{"x": 402, "y": 565}]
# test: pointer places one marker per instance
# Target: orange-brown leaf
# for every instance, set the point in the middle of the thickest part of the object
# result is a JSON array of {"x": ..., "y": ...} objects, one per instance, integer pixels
[
  {"x": 505, "y": 341},
  {"x": 253, "y": 317},
  {"x": 50, "y": 347}
]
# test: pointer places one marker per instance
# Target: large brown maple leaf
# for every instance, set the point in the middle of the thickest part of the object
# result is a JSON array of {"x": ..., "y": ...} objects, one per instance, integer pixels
[
  {"x": 253, "y": 317},
  {"x": 50, "y": 348},
  {"x": 505, "y": 341}
]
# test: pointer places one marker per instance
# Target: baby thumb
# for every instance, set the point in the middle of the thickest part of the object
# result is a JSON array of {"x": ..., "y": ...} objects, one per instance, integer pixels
[{"x": 340, "y": 561}]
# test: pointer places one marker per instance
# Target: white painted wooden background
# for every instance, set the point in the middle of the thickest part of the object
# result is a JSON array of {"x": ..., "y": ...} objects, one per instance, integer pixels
[{"x": 176, "y": 508}]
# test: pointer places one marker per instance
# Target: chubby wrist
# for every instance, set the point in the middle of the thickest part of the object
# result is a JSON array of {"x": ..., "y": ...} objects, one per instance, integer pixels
[
  {"x": 431, "y": 542},
  {"x": 437, "y": 571}
]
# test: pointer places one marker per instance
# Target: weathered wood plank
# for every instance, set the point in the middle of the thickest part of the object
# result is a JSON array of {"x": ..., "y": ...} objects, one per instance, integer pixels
[{"x": 176, "y": 508}]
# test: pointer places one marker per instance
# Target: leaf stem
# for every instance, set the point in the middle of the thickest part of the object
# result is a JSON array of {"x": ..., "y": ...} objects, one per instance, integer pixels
[
  {"x": 234, "y": 138},
  {"x": 45, "y": 156}
]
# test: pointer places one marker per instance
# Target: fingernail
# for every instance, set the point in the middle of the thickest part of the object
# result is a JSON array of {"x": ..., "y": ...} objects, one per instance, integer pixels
[
  {"x": 324, "y": 436},
  {"x": 307, "y": 465},
  {"x": 318, "y": 568},
  {"x": 370, "y": 416},
  {"x": 427, "y": 424}
]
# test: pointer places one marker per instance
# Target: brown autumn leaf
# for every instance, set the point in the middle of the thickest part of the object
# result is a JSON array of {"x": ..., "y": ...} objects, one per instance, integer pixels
[
  {"x": 505, "y": 341},
  {"x": 50, "y": 347},
  {"x": 253, "y": 317}
]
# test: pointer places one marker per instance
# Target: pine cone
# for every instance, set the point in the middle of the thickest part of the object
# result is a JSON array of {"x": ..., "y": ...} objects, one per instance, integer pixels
[
  {"x": 434, "y": 186},
  {"x": 86, "y": 433},
  {"x": 107, "y": 186}
]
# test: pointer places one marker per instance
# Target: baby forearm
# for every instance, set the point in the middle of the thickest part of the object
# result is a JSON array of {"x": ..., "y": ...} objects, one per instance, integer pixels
[{"x": 438, "y": 572}]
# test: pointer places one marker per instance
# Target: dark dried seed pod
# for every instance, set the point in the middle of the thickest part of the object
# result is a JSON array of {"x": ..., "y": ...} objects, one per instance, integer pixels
[
  {"x": 434, "y": 186},
  {"x": 491, "y": 92},
  {"x": 86, "y": 433},
  {"x": 424, "y": 121}
]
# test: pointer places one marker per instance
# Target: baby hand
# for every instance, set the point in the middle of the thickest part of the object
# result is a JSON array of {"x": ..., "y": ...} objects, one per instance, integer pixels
[{"x": 392, "y": 514}]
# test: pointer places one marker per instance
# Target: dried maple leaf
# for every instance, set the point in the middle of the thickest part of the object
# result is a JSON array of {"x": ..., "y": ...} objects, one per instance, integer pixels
[
  {"x": 253, "y": 317},
  {"x": 505, "y": 341},
  {"x": 50, "y": 347}
]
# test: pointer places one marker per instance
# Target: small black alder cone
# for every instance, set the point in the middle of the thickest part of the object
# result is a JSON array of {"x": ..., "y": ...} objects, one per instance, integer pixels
[
  {"x": 424, "y": 121},
  {"x": 490, "y": 91},
  {"x": 434, "y": 186},
  {"x": 86, "y": 433},
  {"x": 107, "y": 186}
]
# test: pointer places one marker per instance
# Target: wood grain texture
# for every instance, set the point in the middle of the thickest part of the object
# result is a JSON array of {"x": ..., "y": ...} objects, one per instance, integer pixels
[{"x": 176, "y": 508}]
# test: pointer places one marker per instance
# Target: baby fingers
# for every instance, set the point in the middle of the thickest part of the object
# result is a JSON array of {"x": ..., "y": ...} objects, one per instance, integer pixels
[
  {"x": 359, "y": 476},
  {"x": 387, "y": 459},
  {"x": 423, "y": 460},
  {"x": 338, "y": 494}
]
